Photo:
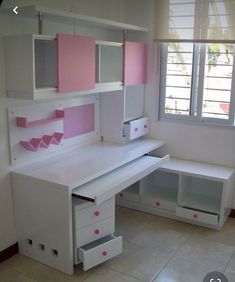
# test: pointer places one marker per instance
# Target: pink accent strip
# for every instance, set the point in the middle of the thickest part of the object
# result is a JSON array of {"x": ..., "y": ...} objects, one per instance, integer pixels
[
  {"x": 79, "y": 120},
  {"x": 44, "y": 142},
  {"x": 23, "y": 122},
  {"x": 135, "y": 64},
  {"x": 76, "y": 63}
]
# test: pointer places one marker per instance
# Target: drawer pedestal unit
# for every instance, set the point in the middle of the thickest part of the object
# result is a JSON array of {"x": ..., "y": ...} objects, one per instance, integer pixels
[
  {"x": 194, "y": 192},
  {"x": 90, "y": 223}
]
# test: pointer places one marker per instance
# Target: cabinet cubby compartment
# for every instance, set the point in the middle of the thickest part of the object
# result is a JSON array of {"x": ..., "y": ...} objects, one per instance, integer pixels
[
  {"x": 44, "y": 142},
  {"x": 160, "y": 190},
  {"x": 201, "y": 194},
  {"x": 109, "y": 64},
  {"x": 23, "y": 121},
  {"x": 132, "y": 193},
  {"x": 31, "y": 65}
]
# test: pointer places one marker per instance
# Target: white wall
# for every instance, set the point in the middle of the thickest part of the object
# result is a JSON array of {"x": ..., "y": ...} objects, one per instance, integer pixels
[{"x": 119, "y": 10}]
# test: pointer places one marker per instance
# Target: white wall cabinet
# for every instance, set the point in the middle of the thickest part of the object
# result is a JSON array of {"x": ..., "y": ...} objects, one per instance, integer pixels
[
  {"x": 31, "y": 65},
  {"x": 188, "y": 191}
]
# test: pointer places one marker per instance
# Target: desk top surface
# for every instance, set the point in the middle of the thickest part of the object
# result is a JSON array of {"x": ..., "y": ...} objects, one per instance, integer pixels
[{"x": 84, "y": 164}]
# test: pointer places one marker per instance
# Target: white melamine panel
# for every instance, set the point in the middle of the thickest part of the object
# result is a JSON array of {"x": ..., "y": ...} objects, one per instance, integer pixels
[
  {"x": 202, "y": 170},
  {"x": 43, "y": 216},
  {"x": 19, "y": 66},
  {"x": 100, "y": 251},
  {"x": 112, "y": 116},
  {"x": 94, "y": 231},
  {"x": 197, "y": 216},
  {"x": 117, "y": 180},
  {"x": 19, "y": 155},
  {"x": 71, "y": 17},
  {"x": 134, "y": 102},
  {"x": 100, "y": 158},
  {"x": 93, "y": 213}
]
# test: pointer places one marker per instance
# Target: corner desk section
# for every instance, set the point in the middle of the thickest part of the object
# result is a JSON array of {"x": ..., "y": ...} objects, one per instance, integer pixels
[
  {"x": 64, "y": 206},
  {"x": 193, "y": 192}
]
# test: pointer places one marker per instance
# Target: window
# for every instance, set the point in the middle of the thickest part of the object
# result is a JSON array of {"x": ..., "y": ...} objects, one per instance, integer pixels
[{"x": 197, "y": 82}]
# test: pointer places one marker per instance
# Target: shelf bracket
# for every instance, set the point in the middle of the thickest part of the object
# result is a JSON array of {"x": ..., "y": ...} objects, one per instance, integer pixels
[{"x": 40, "y": 23}]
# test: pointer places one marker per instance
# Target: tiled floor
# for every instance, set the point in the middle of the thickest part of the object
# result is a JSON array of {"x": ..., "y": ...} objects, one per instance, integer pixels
[{"x": 154, "y": 249}]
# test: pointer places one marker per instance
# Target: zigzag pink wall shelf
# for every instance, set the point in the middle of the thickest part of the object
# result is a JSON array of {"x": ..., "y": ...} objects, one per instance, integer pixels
[
  {"x": 44, "y": 142},
  {"x": 22, "y": 121}
]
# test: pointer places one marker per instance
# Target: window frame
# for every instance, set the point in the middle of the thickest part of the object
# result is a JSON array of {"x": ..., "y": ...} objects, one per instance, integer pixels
[{"x": 197, "y": 88}]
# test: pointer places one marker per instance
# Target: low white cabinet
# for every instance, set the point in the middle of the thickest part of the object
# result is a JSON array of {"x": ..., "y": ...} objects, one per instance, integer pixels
[{"x": 189, "y": 191}]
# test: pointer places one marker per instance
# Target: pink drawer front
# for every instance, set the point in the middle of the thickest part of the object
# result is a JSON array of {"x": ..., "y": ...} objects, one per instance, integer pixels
[
  {"x": 136, "y": 128},
  {"x": 197, "y": 216}
]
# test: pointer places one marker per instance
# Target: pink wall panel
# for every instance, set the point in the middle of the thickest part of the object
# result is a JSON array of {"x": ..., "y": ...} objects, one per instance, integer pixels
[
  {"x": 79, "y": 120},
  {"x": 135, "y": 63},
  {"x": 76, "y": 63}
]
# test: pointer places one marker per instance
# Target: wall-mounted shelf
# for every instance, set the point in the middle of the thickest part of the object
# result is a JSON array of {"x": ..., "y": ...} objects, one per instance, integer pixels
[
  {"x": 44, "y": 142},
  {"x": 67, "y": 17},
  {"x": 23, "y": 122}
]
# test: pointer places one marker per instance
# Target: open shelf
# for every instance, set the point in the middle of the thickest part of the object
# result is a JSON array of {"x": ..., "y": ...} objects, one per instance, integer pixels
[
  {"x": 202, "y": 203},
  {"x": 133, "y": 189},
  {"x": 23, "y": 122},
  {"x": 160, "y": 189},
  {"x": 71, "y": 17},
  {"x": 201, "y": 194},
  {"x": 109, "y": 62},
  {"x": 44, "y": 142}
]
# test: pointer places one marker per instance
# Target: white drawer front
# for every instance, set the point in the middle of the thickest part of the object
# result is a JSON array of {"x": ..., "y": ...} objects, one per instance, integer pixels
[
  {"x": 197, "y": 216},
  {"x": 100, "y": 251},
  {"x": 158, "y": 203},
  {"x": 136, "y": 128},
  {"x": 95, "y": 213},
  {"x": 94, "y": 231}
]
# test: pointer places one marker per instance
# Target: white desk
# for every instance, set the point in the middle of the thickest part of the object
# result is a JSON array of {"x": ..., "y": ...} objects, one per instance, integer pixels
[{"x": 43, "y": 193}]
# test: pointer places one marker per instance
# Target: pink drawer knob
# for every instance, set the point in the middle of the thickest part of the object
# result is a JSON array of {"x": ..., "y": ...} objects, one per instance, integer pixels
[
  {"x": 136, "y": 129},
  {"x": 195, "y": 216},
  {"x": 145, "y": 126},
  {"x": 97, "y": 231},
  {"x": 104, "y": 253},
  {"x": 97, "y": 213},
  {"x": 157, "y": 204}
]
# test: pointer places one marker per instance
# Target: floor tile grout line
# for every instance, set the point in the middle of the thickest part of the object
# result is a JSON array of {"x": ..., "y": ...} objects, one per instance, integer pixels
[
  {"x": 172, "y": 256},
  {"x": 229, "y": 261},
  {"x": 128, "y": 275}
]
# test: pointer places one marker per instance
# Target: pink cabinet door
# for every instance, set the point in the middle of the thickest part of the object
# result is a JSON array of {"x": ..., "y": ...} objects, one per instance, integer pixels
[
  {"x": 135, "y": 63},
  {"x": 76, "y": 63}
]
